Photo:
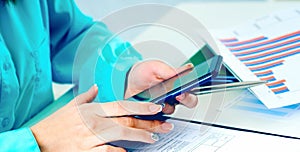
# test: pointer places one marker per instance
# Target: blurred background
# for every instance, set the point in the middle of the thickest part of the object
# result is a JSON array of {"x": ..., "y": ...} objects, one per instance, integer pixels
[{"x": 212, "y": 13}]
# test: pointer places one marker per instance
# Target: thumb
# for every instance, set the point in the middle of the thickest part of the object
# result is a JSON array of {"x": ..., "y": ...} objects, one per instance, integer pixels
[
  {"x": 88, "y": 96},
  {"x": 185, "y": 67},
  {"x": 166, "y": 72}
]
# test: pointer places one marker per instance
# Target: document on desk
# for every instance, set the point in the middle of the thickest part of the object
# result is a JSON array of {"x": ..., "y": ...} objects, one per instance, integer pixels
[
  {"x": 188, "y": 136},
  {"x": 268, "y": 49}
]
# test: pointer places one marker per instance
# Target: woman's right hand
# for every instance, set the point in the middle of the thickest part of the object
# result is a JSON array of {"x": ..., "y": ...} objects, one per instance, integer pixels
[{"x": 85, "y": 126}]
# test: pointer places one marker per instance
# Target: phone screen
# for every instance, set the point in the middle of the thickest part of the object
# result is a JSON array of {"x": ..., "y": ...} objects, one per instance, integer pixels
[{"x": 181, "y": 82}]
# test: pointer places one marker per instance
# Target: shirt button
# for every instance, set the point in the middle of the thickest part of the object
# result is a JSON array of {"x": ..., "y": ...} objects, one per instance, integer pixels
[
  {"x": 6, "y": 66},
  {"x": 5, "y": 122}
]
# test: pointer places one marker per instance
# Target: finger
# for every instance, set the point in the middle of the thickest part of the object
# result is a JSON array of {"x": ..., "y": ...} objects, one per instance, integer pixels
[
  {"x": 184, "y": 67},
  {"x": 168, "y": 109},
  {"x": 88, "y": 96},
  {"x": 152, "y": 126},
  {"x": 187, "y": 99},
  {"x": 168, "y": 72},
  {"x": 107, "y": 148},
  {"x": 122, "y": 108},
  {"x": 126, "y": 133},
  {"x": 163, "y": 71}
]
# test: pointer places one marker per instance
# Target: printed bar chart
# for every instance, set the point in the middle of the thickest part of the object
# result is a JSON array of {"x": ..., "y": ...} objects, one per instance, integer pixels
[
  {"x": 261, "y": 54},
  {"x": 269, "y": 49}
]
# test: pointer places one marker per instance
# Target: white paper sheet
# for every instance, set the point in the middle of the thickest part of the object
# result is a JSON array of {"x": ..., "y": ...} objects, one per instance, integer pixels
[
  {"x": 267, "y": 48},
  {"x": 195, "y": 137}
]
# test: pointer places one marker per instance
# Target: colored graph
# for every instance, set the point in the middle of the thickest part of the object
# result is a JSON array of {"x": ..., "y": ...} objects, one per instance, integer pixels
[
  {"x": 268, "y": 49},
  {"x": 261, "y": 54}
]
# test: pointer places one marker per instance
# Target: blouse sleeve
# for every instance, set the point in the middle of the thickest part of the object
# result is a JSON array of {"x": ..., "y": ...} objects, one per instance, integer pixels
[
  {"x": 85, "y": 52},
  {"x": 18, "y": 140}
]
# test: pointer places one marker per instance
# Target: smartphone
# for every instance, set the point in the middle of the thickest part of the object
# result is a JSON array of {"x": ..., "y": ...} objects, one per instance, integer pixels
[{"x": 166, "y": 91}]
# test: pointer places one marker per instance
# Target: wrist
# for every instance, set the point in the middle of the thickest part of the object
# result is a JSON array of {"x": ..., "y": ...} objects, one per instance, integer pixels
[
  {"x": 38, "y": 137},
  {"x": 127, "y": 90}
]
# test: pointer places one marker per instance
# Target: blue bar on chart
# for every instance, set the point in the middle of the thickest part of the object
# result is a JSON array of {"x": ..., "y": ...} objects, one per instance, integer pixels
[{"x": 261, "y": 54}]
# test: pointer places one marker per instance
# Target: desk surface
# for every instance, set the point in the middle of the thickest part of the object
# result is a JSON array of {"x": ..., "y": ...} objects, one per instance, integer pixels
[
  {"x": 219, "y": 109},
  {"x": 231, "y": 15},
  {"x": 217, "y": 15}
]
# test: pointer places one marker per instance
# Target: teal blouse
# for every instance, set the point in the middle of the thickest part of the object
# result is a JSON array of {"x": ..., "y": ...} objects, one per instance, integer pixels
[{"x": 51, "y": 40}]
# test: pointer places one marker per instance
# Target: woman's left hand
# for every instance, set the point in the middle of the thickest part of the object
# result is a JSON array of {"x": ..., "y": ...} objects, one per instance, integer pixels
[
  {"x": 145, "y": 74},
  {"x": 84, "y": 126}
]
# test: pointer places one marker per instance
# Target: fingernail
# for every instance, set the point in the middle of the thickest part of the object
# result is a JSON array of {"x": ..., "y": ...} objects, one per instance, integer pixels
[
  {"x": 167, "y": 126},
  {"x": 154, "y": 136},
  {"x": 159, "y": 77},
  {"x": 95, "y": 87},
  {"x": 189, "y": 65},
  {"x": 155, "y": 108},
  {"x": 181, "y": 97}
]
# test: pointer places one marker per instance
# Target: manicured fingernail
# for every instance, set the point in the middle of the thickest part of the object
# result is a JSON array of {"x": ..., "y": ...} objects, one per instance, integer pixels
[
  {"x": 95, "y": 85},
  {"x": 167, "y": 126},
  {"x": 94, "y": 88},
  {"x": 189, "y": 65},
  {"x": 158, "y": 77},
  {"x": 154, "y": 136},
  {"x": 180, "y": 97},
  {"x": 155, "y": 108}
]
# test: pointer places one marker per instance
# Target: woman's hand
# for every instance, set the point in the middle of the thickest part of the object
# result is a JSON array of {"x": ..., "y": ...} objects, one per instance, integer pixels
[
  {"x": 145, "y": 74},
  {"x": 84, "y": 126}
]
